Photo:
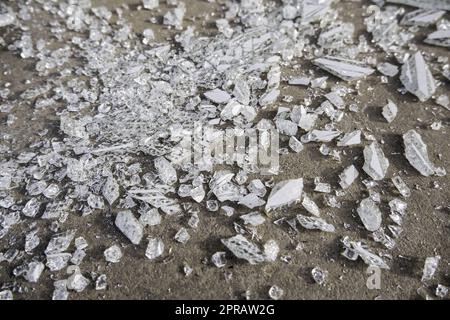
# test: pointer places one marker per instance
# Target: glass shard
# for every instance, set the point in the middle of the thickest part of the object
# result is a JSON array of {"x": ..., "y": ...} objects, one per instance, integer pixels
[
  {"x": 417, "y": 77},
  {"x": 319, "y": 275},
  {"x": 347, "y": 70},
  {"x": 284, "y": 193},
  {"x": 218, "y": 259},
  {"x": 417, "y": 154},
  {"x": 369, "y": 214},
  {"x": 253, "y": 219},
  {"x": 244, "y": 249},
  {"x": 113, "y": 254},
  {"x": 315, "y": 223},
  {"x": 375, "y": 163},
  {"x": 389, "y": 111},
  {"x": 348, "y": 176},
  {"x": 430, "y": 268},
  {"x": 129, "y": 226},
  {"x": 275, "y": 292},
  {"x": 155, "y": 248},
  {"x": 429, "y": 4}
]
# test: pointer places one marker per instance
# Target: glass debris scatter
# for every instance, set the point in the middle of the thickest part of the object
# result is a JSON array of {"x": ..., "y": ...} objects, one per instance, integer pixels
[{"x": 134, "y": 116}]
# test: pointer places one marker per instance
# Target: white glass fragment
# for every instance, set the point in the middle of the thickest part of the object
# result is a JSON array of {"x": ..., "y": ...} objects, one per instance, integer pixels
[
  {"x": 370, "y": 214},
  {"x": 350, "y": 139},
  {"x": 347, "y": 70},
  {"x": 439, "y": 38},
  {"x": 284, "y": 193},
  {"x": 275, "y": 292},
  {"x": 129, "y": 226},
  {"x": 101, "y": 282},
  {"x": 253, "y": 218},
  {"x": 271, "y": 250},
  {"x": 375, "y": 163},
  {"x": 429, "y": 4},
  {"x": 33, "y": 271},
  {"x": 251, "y": 201},
  {"x": 218, "y": 259},
  {"x": 77, "y": 282},
  {"x": 150, "y": 4},
  {"x": 430, "y": 268},
  {"x": 295, "y": 145},
  {"x": 182, "y": 236},
  {"x": 387, "y": 69},
  {"x": 165, "y": 170},
  {"x": 354, "y": 249},
  {"x": 315, "y": 223},
  {"x": 401, "y": 186},
  {"x": 390, "y": 111},
  {"x": 218, "y": 96},
  {"x": 150, "y": 217},
  {"x": 319, "y": 275},
  {"x": 422, "y": 17},
  {"x": 6, "y": 295},
  {"x": 110, "y": 190},
  {"x": 417, "y": 154},
  {"x": 348, "y": 176},
  {"x": 417, "y": 77},
  {"x": 113, "y": 254},
  {"x": 155, "y": 248},
  {"x": 310, "y": 205},
  {"x": 60, "y": 242},
  {"x": 244, "y": 249}
]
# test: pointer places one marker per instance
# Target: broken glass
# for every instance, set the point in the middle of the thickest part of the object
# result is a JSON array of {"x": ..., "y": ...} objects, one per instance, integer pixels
[
  {"x": 417, "y": 154},
  {"x": 345, "y": 69},
  {"x": 218, "y": 259},
  {"x": 430, "y": 268},
  {"x": 417, "y": 77},
  {"x": 353, "y": 250},
  {"x": 244, "y": 249},
  {"x": 271, "y": 250},
  {"x": 401, "y": 186},
  {"x": 182, "y": 236},
  {"x": 387, "y": 69},
  {"x": 348, "y": 176},
  {"x": 429, "y": 4},
  {"x": 422, "y": 17},
  {"x": 315, "y": 223},
  {"x": 284, "y": 193},
  {"x": 310, "y": 205},
  {"x": 275, "y": 292},
  {"x": 60, "y": 242},
  {"x": 319, "y": 275},
  {"x": 375, "y": 163},
  {"x": 101, "y": 282},
  {"x": 155, "y": 248},
  {"x": 390, "y": 111},
  {"x": 253, "y": 219},
  {"x": 369, "y": 214},
  {"x": 129, "y": 226},
  {"x": 113, "y": 254}
]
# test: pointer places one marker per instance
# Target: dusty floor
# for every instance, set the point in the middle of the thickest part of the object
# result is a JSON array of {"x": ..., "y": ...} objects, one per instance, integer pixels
[{"x": 426, "y": 229}]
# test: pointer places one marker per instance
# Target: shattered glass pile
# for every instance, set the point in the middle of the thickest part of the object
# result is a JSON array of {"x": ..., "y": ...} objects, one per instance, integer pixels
[{"x": 122, "y": 101}]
